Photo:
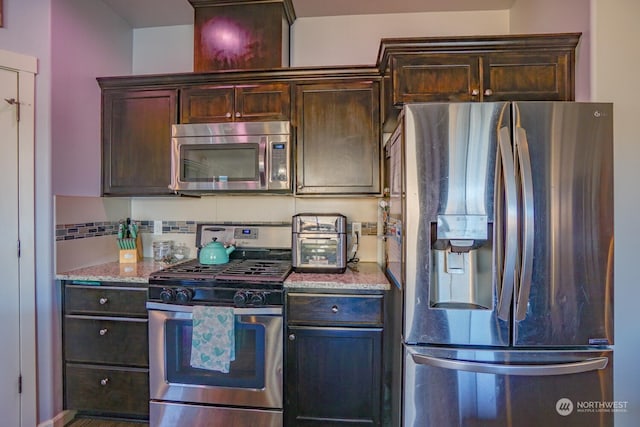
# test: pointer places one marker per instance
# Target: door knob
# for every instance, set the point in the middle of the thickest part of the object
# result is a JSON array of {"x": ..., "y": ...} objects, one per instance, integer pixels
[
  {"x": 103, "y": 301},
  {"x": 475, "y": 92},
  {"x": 488, "y": 92},
  {"x": 292, "y": 337},
  {"x": 103, "y": 331}
]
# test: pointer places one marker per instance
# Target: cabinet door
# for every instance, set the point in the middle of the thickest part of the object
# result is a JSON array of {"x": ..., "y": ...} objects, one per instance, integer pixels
[
  {"x": 334, "y": 377},
  {"x": 136, "y": 141},
  {"x": 263, "y": 102},
  {"x": 539, "y": 76},
  {"x": 435, "y": 78},
  {"x": 206, "y": 104},
  {"x": 338, "y": 138}
]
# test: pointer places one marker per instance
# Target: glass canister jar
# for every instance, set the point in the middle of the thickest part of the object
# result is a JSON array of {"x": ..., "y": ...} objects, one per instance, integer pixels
[
  {"x": 162, "y": 250},
  {"x": 181, "y": 251}
]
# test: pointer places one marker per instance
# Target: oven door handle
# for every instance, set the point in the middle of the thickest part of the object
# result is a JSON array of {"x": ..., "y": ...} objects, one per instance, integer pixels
[{"x": 238, "y": 311}]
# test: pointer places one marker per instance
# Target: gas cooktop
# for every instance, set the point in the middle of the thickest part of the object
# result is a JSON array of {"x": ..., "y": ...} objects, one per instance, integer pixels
[
  {"x": 244, "y": 270},
  {"x": 254, "y": 276}
]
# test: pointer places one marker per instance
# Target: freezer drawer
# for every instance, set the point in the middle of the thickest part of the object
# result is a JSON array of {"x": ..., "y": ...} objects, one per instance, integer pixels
[{"x": 473, "y": 388}]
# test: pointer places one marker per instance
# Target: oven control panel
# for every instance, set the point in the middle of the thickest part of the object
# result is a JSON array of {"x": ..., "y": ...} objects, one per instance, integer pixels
[{"x": 236, "y": 297}]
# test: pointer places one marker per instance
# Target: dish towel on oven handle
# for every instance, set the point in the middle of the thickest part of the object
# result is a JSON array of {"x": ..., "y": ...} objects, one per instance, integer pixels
[{"x": 213, "y": 338}]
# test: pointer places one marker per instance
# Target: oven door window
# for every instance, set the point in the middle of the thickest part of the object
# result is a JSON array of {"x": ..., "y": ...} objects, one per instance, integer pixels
[
  {"x": 246, "y": 371},
  {"x": 220, "y": 162}
]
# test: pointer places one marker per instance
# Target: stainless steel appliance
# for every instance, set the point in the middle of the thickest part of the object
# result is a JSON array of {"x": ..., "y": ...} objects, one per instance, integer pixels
[
  {"x": 231, "y": 157},
  {"x": 251, "y": 393},
  {"x": 319, "y": 243},
  {"x": 501, "y": 242}
]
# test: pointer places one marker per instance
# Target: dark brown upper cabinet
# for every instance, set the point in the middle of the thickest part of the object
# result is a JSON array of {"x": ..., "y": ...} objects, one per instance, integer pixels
[
  {"x": 226, "y": 103},
  {"x": 338, "y": 137},
  {"x": 483, "y": 68},
  {"x": 136, "y": 137}
]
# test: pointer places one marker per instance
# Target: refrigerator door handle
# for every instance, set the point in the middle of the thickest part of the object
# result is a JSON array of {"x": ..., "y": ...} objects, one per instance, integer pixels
[
  {"x": 526, "y": 271},
  {"x": 587, "y": 365},
  {"x": 511, "y": 224}
]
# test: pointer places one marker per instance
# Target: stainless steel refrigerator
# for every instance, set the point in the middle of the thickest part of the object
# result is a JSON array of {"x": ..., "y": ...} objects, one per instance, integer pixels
[{"x": 500, "y": 242}]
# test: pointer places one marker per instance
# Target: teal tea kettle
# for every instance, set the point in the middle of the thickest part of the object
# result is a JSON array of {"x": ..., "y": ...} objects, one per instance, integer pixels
[{"x": 215, "y": 253}]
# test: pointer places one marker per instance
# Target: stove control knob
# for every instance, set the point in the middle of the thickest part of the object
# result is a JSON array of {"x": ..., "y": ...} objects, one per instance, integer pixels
[
  {"x": 184, "y": 295},
  {"x": 167, "y": 295},
  {"x": 241, "y": 298},
  {"x": 257, "y": 299}
]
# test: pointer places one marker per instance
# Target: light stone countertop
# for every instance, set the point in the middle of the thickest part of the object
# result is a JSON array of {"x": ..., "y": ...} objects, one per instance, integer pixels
[
  {"x": 115, "y": 272},
  {"x": 369, "y": 276}
]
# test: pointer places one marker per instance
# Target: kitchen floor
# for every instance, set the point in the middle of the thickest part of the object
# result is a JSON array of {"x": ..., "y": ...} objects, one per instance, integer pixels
[{"x": 97, "y": 422}]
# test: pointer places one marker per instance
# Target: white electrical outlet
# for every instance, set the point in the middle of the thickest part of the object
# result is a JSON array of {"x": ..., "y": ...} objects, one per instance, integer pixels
[
  {"x": 157, "y": 227},
  {"x": 356, "y": 229}
]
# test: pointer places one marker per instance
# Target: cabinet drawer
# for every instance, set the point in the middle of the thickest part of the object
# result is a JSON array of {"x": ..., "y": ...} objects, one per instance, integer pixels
[
  {"x": 105, "y": 300},
  {"x": 106, "y": 340},
  {"x": 96, "y": 389},
  {"x": 332, "y": 309}
]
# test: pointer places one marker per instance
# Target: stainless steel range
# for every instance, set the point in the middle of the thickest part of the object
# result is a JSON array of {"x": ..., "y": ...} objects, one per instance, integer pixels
[{"x": 250, "y": 286}]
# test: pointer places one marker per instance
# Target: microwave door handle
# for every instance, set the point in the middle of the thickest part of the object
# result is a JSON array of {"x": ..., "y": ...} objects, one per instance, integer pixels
[
  {"x": 528, "y": 220},
  {"x": 587, "y": 365},
  {"x": 262, "y": 160},
  {"x": 511, "y": 221}
]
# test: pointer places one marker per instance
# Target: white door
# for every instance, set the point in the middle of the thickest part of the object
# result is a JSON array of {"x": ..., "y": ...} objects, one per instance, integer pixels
[{"x": 9, "y": 263}]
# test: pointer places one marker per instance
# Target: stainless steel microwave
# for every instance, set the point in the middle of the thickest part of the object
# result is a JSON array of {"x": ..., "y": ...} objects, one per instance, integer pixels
[{"x": 231, "y": 157}]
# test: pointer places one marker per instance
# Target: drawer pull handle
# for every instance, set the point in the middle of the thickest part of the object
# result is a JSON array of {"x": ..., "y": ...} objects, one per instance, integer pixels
[
  {"x": 334, "y": 309},
  {"x": 103, "y": 300},
  {"x": 104, "y": 381},
  {"x": 103, "y": 331},
  {"x": 292, "y": 337}
]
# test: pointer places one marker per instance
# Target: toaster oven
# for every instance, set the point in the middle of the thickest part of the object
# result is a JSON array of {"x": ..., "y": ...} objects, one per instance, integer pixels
[{"x": 319, "y": 243}]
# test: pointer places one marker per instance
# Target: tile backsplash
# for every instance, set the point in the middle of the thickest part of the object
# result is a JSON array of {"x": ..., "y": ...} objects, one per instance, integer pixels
[
  {"x": 86, "y": 230},
  {"x": 86, "y": 225}
]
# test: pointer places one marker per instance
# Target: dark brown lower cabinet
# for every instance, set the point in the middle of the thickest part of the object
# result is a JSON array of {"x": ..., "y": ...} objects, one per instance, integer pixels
[
  {"x": 107, "y": 390},
  {"x": 334, "y": 368},
  {"x": 106, "y": 349}
]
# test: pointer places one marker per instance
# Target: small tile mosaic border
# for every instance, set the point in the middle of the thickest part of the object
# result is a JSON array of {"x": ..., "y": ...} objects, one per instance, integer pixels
[{"x": 95, "y": 229}]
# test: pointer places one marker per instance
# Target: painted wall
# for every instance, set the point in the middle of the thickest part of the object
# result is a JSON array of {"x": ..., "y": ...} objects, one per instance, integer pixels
[
  {"x": 552, "y": 16},
  {"x": 352, "y": 40},
  {"x": 163, "y": 49},
  {"x": 89, "y": 40},
  {"x": 616, "y": 61}
]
